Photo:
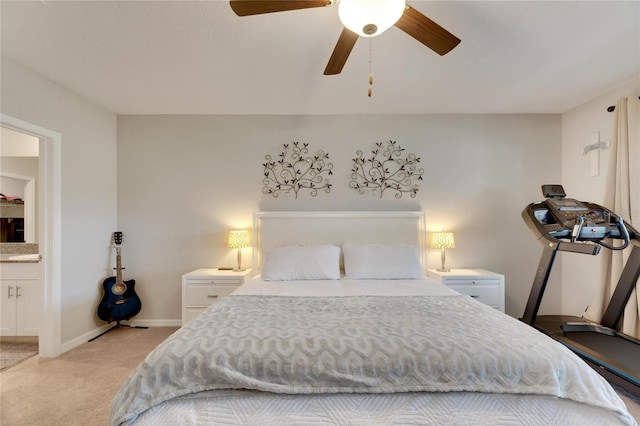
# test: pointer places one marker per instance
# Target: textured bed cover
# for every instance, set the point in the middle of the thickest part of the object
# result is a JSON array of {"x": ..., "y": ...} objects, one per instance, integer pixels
[
  {"x": 344, "y": 287},
  {"x": 295, "y": 345}
]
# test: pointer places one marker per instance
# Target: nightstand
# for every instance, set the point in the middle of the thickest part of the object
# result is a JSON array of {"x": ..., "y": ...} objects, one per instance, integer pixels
[
  {"x": 484, "y": 286},
  {"x": 204, "y": 287}
]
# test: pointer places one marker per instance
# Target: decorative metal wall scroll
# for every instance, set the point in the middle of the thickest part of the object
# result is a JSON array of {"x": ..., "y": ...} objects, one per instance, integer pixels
[
  {"x": 386, "y": 169},
  {"x": 295, "y": 170}
]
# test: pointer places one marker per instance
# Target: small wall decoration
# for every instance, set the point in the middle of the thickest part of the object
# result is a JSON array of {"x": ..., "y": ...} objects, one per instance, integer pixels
[
  {"x": 386, "y": 169},
  {"x": 295, "y": 170}
]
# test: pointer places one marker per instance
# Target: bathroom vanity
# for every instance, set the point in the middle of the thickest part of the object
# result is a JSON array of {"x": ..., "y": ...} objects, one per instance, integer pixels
[{"x": 20, "y": 290}]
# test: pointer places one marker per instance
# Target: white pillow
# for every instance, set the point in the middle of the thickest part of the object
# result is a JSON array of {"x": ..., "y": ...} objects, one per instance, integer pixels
[
  {"x": 381, "y": 262},
  {"x": 287, "y": 263}
]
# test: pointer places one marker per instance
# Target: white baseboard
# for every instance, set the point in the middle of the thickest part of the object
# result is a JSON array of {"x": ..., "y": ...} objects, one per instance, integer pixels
[
  {"x": 156, "y": 323},
  {"x": 74, "y": 343},
  {"x": 84, "y": 338}
]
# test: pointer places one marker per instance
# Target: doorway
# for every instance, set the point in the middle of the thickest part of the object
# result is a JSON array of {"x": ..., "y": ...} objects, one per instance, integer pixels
[
  {"x": 49, "y": 227},
  {"x": 19, "y": 171}
]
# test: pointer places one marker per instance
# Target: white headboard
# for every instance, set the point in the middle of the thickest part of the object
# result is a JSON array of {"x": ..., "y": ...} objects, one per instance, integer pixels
[{"x": 278, "y": 228}]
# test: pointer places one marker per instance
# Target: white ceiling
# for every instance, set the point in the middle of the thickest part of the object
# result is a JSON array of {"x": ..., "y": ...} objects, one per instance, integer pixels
[{"x": 198, "y": 57}]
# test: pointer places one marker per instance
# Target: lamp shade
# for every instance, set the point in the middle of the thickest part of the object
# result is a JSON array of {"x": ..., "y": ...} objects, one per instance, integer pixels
[
  {"x": 368, "y": 18},
  {"x": 442, "y": 240},
  {"x": 239, "y": 239}
]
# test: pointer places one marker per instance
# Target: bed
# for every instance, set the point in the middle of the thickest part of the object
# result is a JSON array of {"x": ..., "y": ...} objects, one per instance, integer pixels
[{"x": 339, "y": 326}]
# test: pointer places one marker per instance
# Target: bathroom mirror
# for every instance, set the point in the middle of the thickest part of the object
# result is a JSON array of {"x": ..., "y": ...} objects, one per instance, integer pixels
[
  {"x": 17, "y": 209},
  {"x": 19, "y": 165}
]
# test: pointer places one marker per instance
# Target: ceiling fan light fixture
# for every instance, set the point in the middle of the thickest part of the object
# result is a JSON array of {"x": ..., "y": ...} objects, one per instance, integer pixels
[{"x": 369, "y": 18}]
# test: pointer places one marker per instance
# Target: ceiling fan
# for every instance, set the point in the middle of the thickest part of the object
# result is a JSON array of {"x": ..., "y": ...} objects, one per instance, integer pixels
[{"x": 361, "y": 18}]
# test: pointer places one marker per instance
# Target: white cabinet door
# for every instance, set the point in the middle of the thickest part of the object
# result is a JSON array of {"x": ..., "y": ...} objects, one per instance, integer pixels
[
  {"x": 28, "y": 307},
  {"x": 8, "y": 308},
  {"x": 20, "y": 307}
]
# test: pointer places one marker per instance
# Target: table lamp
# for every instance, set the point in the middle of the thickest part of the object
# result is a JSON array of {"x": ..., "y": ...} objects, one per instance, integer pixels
[
  {"x": 239, "y": 240},
  {"x": 443, "y": 240}
]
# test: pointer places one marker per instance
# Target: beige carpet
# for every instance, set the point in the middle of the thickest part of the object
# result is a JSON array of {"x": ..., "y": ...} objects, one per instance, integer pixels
[
  {"x": 77, "y": 387},
  {"x": 12, "y": 353}
]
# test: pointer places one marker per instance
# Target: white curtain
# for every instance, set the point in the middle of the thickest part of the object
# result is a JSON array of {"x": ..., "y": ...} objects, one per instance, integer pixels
[{"x": 622, "y": 195}]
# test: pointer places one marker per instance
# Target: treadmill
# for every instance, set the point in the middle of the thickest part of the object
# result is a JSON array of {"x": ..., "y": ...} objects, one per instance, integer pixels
[{"x": 566, "y": 225}]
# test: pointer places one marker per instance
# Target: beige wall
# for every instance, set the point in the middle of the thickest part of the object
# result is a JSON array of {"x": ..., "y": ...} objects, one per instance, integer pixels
[
  {"x": 184, "y": 181},
  {"x": 88, "y": 198},
  {"x": 581, "y": 274}
]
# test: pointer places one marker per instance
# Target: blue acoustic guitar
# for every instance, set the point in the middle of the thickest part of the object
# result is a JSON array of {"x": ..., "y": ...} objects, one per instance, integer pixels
[{"x": 120, "y": 301}]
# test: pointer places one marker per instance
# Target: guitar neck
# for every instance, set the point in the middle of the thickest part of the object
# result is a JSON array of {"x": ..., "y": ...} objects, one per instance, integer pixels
[{"x": 118, "y": 267}]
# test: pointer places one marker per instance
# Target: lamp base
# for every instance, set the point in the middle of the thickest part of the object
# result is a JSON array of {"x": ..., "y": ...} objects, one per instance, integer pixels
[
  {"x": 239, "y": 268},
  {"x": 443, "y": 258}
]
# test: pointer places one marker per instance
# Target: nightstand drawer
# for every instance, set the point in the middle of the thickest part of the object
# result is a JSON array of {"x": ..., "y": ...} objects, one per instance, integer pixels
[
  {"x": 205, "y": 286},
  {"x": 206, "y": 294},
  {"x": 489, "y": 295},
  {"x": 495, "y": 282},
  {"x": 210, "y": 281},
  {"x": 484, "y": 286}
]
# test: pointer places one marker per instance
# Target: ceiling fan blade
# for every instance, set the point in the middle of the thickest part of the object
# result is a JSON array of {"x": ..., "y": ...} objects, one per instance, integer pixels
[
  {"x": 341, "y": 52},
  {"x": 256, "y": 7},
  {"x": 426, "y": 31}
]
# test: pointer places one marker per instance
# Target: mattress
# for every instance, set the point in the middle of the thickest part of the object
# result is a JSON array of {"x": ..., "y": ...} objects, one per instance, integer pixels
[{"x": 407, "y": 352}]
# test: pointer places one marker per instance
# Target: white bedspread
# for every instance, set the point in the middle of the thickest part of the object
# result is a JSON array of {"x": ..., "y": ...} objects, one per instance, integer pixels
[
  {"x": 546, "y": 384},
  {"x": 344, "y": 287}
]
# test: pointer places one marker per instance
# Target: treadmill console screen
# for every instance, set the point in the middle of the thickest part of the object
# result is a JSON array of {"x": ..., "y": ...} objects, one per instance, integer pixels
[
  {"x": 567, "y": 219},
  {"x": 569, "y": 212},
  {"x": 568, "y": 204}
]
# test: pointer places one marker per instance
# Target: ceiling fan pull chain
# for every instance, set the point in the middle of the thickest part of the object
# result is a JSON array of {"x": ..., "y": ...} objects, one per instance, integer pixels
[{"x": 370, "y": 71}]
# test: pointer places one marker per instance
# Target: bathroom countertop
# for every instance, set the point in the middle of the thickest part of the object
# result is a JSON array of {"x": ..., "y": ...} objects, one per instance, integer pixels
[
  {"x": 19, "y": 253},
  {"x": 13, "y": 258}
]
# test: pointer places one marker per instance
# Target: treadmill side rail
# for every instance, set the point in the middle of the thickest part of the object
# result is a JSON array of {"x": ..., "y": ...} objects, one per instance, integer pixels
[
  {"x": 627, "y": 282},
  {"x": 539, "y": 285},
  {"x": 579, "y": 327}
]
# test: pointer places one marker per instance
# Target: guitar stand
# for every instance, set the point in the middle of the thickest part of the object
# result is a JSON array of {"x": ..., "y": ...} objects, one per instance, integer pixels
[{"x": 118, "y": 325}]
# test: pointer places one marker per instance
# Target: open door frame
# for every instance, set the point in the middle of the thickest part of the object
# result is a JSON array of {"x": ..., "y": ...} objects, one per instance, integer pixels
[{"x": 49, "y": 230}]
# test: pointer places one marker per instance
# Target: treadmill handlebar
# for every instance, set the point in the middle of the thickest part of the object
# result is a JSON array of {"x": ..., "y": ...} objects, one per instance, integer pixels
[{"x": 624, "y": 235}]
